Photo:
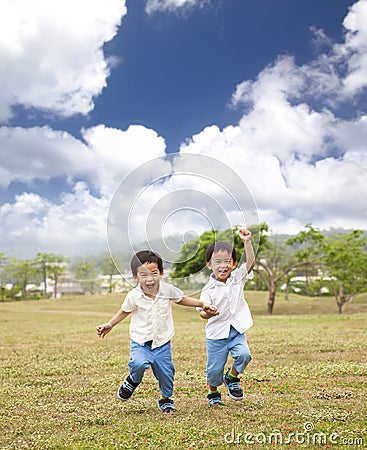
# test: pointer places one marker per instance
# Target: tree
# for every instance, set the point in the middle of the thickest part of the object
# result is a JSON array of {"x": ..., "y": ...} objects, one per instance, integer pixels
[
  {"x": 3, "y": 260},
  {"x": 308, "y": 245},
  {"x": 55, "y": 271},
  {"x": 272, "y": 265},
  {"x": 50, "y": 266},
  {"x": 108, "y": 268},
  {"x": 192, "y": 254},
  {"x": 21, "y": 271},
  {"x": 345, "y": 264},
  {"x": 86, "y": 272},
  {"x": 276, "y": 260}
]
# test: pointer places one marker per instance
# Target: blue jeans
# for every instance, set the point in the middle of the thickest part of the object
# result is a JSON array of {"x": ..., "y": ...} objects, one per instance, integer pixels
[
  {"x": 159, "y": 359},
  {"x": 217, "y": 354}
]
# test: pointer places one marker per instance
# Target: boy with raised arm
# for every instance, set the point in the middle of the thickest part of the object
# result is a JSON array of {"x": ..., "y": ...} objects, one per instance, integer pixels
[{"x": 225, "y": 333}]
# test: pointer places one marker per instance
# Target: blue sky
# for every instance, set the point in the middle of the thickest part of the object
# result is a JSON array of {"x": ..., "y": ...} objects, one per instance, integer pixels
[{"x": 274, "y": 90}]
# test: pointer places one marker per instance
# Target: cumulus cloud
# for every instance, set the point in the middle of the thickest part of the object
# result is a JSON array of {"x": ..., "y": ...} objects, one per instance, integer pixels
[
  {"x": 79, "y": 216},
  {"x": 117, "y": 152},
  {"x": 300, "y": 160},
  {"x": 41, "y": 153},
  {"x": 67, "y": 227},
  {"x": 292, "y": 151},
  {"x": 51, "y": 53},
  {"x": 355, "y": 46}
]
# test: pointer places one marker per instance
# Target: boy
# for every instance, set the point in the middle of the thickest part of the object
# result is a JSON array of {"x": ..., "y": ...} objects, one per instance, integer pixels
[
  {"x": 226, "y": 333},
  {"x": 151, "y": 326}
]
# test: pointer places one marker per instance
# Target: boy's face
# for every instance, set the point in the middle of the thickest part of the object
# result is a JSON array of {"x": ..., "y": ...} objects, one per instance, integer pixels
[
  {"x": 221, "y": 264},
  {"x": 148, "y": 276}
]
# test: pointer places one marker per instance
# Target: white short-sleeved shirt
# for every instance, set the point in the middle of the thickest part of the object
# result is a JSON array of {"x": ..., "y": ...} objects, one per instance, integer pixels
[
  {"x": 151, "y": 320},
  {"x": 229, "y": 299}
]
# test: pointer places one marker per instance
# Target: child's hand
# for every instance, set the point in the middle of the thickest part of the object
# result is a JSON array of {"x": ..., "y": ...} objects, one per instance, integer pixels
[
  {"x": 102, "y": 330},
  {"x": 245, "y": 235},
  {"x": 210, "y": 309}
]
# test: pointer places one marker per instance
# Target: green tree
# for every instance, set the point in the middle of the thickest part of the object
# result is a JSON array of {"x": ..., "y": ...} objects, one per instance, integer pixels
[
  {"x": 345, "y": 264},
  {"x": 21, "y": 273},
  {"x": 192, "y": 254},
  {"x": 273, "y": 263},
  {"x": 308, "y": 247},
  {"x": 3, "y": 260},
  {"x": 55, "y": 271},
  {"x": 108, "y": 268},
  {"x": 86, "y": 273},
  {"x": 50, "y": 266},
  {"x": 277, "y": 260}
]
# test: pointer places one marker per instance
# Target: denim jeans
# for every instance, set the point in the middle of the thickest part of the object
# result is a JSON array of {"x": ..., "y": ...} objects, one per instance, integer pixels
[
  {"x": 159, "y": 359},
  {"x": 217, "y": 354}
]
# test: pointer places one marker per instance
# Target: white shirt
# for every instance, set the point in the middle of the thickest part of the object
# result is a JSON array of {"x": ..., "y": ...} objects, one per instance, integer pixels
[
  {"x": 151, "y": 319},
  {"x": 229, "y": 299}
]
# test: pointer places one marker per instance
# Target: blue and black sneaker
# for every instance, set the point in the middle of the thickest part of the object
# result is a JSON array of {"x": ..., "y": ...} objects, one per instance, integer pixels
[
  {"x": 215, "y": 399},
  {"x": 166, "y": 405},
  {"x": 127, "y": 388},
  {"x": 234, "y": 388}
]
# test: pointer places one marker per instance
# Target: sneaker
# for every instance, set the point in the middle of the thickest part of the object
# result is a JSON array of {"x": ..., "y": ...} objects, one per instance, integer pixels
[
  {"x": 215, "y": 399},
  {"x": 234, "y": 388},
  {"x": 127, "y": 388},
  {"x": 166, "y": 405}
]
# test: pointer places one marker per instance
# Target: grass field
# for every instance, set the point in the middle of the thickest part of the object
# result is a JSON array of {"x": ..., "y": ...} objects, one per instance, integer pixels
[{"x": 305, "y": 387}]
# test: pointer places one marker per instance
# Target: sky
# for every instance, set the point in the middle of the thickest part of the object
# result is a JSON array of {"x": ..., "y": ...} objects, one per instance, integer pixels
[{"x": 124, "y": 121}]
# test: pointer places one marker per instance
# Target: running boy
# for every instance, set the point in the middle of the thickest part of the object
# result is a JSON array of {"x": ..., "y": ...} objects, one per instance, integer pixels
[
  {"x": 151, "y": 326},
  {"x": 225, "y": 333}
]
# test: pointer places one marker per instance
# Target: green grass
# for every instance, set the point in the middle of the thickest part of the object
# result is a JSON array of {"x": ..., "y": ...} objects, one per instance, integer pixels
[{"x": 59, "y": 381}]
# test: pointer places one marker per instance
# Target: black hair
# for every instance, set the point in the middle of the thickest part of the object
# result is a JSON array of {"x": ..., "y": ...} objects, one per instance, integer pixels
[
  {"x": 220, "y": 246},
  {"x": 143, "y": 257}
]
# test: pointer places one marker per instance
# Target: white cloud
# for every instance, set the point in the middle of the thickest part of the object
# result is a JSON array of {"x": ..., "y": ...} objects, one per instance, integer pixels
[
  {"x": 301, "y": 164},
  {"x": 356, "y": 45},
  {"x": 41, "y": 153},
  {"x": 291, "y": 191},
  {"x": 32, "y": 224},
  {"x": 51, "y": 53},
  {"x": 79, "y": 216},
  {"x": 352, "y": 137},
  {"x": 276, "y": 125},
  {"x": 106, "y": 157},
  {"x": 320, "y": 39},
  {"x": 117, "y": 152},
  {"x": 153, "y": 6}
]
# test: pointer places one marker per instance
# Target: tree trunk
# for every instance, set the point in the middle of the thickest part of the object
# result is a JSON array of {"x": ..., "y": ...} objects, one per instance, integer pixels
[
  {"x": 307, "y": 284},
  {"x": 45, "y": 283},
  {"x": 341, "y": 299},
  {"x": 55, "y": 286},
  {"x": 286, "y": 297},
  {"x": 271, "y": 299},
  {"x": 110, "y": 289}
]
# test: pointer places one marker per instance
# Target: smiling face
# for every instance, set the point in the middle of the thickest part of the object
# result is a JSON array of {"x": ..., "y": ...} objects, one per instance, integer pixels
[
  {"x": 221, "y": 264},
  {"x": 148, "y": 276}
]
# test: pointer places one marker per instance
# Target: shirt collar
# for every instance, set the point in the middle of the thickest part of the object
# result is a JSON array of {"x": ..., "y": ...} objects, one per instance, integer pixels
[
  {"x": 220, "y": 283},
  {"x": 141, "y": 292}
]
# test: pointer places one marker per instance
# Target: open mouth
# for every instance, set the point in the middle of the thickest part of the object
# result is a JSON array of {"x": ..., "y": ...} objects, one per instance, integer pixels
[{"x": 222, "y": 274}]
